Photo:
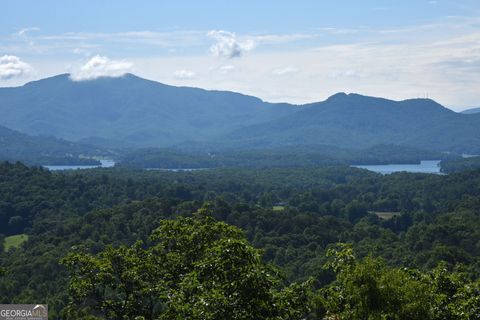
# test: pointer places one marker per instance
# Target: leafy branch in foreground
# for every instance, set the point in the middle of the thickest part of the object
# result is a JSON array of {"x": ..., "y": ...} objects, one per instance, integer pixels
[
  {"x": 368, "y": 289},
  {"x": 192, "y": 268}
]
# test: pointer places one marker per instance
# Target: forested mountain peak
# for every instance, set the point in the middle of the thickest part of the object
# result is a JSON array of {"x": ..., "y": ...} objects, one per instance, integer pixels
[
  {"x": 358, "y": 121},
  {"x": 363, "y": 101},
  {"x": 129, "y": 108},
  {"x": 145, "y": 113}
]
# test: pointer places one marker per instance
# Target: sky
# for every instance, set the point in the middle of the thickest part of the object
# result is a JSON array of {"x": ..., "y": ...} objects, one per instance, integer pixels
[{"x": 281, "y": 51}]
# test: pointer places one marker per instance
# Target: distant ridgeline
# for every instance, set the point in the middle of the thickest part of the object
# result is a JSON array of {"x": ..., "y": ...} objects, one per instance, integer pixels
[
  {"x": 133, "y": 112},
  {"x": 471, "y": 111},
  {"x": 42, "y": 150}
]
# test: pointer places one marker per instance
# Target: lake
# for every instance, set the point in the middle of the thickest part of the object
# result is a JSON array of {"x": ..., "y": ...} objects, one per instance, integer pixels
[
  {"x": 465, "y": 155},
  {"x": 425, "y": 166},
  {"x": 104, "y": 164}
]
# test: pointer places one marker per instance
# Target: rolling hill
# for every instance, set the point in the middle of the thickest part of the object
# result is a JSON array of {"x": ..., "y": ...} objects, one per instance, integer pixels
[
  {"x": 287, "y": 157},
  {"x": 40, "y": 150},
  {"x": 133, "y": 112}
]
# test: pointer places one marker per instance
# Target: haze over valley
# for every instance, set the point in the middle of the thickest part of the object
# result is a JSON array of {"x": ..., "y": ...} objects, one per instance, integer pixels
[{"x": 107, "y": 116}]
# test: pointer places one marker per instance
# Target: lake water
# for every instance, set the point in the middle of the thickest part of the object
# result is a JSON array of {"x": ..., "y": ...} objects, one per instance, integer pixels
[
  {"x": 104, "y": 164},
  {"x": 425, "y": 166},
  {"x": 465, "y": 155}
]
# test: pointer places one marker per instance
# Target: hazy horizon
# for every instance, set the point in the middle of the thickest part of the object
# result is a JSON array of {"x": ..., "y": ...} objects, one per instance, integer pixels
[
  {"x": 213, "y": 89},
  {"x": 296, "y": 53}
]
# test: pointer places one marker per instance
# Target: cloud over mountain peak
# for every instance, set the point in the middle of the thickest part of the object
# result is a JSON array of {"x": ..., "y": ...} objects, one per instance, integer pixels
[{"x": 101, "y": 66}]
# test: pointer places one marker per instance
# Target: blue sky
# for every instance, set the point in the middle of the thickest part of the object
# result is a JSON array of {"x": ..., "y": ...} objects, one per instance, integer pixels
[{"x": 294, "y": 51}]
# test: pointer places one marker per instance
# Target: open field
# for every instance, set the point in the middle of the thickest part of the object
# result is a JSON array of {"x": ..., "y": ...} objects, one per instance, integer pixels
[{"x": 14, "y": 241}]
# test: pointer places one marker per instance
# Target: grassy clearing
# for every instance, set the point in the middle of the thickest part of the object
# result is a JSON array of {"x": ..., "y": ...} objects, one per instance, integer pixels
[
  {"x": 278, "y": 208},
  {"x": 14, "y": 241}
]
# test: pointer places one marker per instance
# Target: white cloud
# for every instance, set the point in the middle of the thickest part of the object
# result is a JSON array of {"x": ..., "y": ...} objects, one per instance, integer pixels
[
  {"x": 227, "y": 44},
  {"x": 99, "y": 66},
  {"x": 446, "y": 67},
  {"x": 12, "y": 66},
  {"x": 284, "y": 38},
  {"x": 160, "y": 39},
  {"x": 443, "y": 59},
  {"x": 23, "y": 32},
  {"x": 184, "y": 74},
  {"x": 284, "y": 71},
  {"x": 340, "y": 31}
]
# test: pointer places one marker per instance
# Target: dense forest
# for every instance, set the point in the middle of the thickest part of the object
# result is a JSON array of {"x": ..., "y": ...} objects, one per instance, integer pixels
[
  {"x": 460, "y": 164},
  {"x": 416, "y": 230},
  {"x": 193, "y": 156}
]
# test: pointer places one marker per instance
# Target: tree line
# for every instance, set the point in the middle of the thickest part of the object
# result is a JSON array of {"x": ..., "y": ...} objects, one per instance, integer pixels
[{"x": 413, "y": 230}]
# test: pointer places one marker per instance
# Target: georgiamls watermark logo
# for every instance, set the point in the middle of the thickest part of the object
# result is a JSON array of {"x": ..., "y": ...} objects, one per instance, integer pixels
[{"x": 23, "y": 312}]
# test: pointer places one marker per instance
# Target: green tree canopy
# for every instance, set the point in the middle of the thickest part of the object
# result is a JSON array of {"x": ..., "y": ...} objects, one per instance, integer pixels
[
  {"x": 367, "y": 289},
  {"x": 191, "y": 268}
]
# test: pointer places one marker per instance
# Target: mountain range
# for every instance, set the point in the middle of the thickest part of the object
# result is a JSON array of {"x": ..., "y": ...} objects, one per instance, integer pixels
[
  {"x": 356, "y": 121},
  {"x": 130, "y": 111}
]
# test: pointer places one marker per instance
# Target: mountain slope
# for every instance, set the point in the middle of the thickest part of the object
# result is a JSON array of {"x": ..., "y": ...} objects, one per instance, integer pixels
[
  {"x": 16, "y": 146},
  {"x": 355, "y": 121},
  {"x": 129, "y": 109},
  {"x": 133, "y": 112}
]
